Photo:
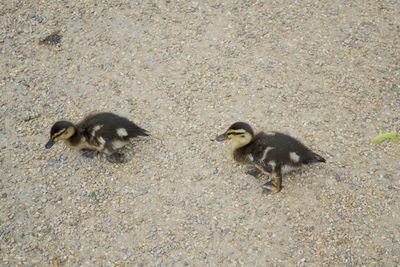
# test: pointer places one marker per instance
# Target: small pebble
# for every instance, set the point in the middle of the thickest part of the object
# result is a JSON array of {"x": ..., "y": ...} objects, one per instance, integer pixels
[{"x": 52, "y": 39}]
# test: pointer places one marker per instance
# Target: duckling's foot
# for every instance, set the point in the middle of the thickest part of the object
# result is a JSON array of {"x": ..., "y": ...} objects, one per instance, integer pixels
[
  {"x": 270, "y": 188},
  {"x": 254, "y": 172},
  {"x": 117, "y": 157},
  {"x": 88, "y": 153}
]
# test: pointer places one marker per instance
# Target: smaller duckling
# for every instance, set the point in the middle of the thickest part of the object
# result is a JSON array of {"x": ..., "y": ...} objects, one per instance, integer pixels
[
  {"x": 268, "y": 153},
  {"x": 97, "y": 133}
]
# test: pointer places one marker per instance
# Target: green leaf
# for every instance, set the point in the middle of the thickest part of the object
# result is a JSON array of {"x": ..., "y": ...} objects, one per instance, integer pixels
[{"x": 382, "y": 136}]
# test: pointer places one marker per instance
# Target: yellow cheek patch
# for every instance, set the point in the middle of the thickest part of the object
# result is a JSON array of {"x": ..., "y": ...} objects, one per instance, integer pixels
[{"x": 236, "y": 137}]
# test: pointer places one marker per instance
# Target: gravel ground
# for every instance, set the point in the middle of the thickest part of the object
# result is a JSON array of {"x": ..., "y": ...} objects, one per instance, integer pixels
[{"x": 326, "y": 72}]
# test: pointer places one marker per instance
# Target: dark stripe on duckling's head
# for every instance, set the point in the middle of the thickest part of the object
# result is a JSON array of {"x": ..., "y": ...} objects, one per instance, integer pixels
[
  {"x": 237, "y": 130},
  {"x": 59, "y": 128},
  {"x": 240, "y": 127}
]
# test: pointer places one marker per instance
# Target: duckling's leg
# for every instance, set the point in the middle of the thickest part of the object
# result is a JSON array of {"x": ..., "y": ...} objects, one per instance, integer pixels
[
  {"x": 273, "y": 186},
  {"x": 117, "y": 157},
  {"x": 86, "y": 152},
  {"x": 258, "y": 170}
]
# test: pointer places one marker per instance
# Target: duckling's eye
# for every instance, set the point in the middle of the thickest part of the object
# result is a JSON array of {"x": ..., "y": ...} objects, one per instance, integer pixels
[{"x": 240, "y": 134}]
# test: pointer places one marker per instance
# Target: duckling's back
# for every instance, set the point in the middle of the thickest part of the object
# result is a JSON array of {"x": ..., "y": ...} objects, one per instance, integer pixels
[
  {"x": 281, "y": 148},
  {"x": 110, "y": 126}
]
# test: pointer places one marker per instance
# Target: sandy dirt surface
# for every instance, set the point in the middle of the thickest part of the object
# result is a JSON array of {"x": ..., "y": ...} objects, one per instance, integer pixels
[{"x": 326, "y": 72}]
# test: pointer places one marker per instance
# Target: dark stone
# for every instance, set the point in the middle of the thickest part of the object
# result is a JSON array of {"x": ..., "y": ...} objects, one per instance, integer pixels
[
  {"x": 337, "y": 177},
  {"x": 52, "y": 39}
]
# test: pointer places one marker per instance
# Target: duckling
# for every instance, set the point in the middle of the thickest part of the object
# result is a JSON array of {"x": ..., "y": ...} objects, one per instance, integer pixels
[
  {"x": 268, "y": 153},
  {"x": 97, "y": 133}
]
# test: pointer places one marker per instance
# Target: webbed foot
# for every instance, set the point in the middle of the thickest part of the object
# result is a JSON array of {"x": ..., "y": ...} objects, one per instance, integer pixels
[
  {"x": 270, "y": 188},
  {"x": 254, "y": 172},
  {"x": 88, "y": 153},
  {"x": 117, "y": 157}
]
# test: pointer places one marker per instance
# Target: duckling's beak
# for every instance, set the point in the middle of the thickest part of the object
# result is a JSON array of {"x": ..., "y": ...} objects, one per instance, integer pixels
[
  {"x": 222, "y": 137},
  {"x": 49, "y": 144}
]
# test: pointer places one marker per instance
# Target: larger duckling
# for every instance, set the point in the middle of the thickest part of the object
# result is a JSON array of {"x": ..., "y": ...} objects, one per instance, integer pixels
[
  {"x": 97, "y": 133},
  {"x": 268, "y": 153}
]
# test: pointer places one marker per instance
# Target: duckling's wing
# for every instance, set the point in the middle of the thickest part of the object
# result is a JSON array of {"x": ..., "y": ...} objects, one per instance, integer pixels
[
  {"x": 289, "y": 151},
  {"x": 296, "y": 152},
  {"x": 114, "y": 126},
  {"x": 258, "y": 152},
  {"x": 92, "y": 136}
]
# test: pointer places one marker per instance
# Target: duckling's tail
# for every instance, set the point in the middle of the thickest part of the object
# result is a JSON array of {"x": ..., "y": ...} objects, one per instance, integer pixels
[
  {"x": 142, "y": 132},
  {"x": 135, "y": 131},
  {"x": 314, "y": 158}
]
